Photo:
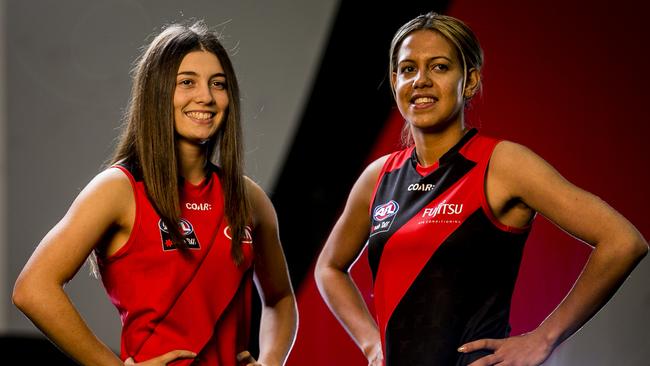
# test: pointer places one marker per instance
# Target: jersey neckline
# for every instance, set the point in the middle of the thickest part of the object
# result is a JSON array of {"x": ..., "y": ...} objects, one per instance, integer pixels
[{"x": 445, "y": 158}]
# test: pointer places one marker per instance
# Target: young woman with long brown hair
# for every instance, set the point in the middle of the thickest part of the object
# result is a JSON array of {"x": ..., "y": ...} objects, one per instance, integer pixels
[{"x": 176, "y": 238}]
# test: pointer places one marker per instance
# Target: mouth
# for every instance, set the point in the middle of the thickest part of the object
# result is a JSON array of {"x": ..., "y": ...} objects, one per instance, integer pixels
[
  {"x": 422, "y": 101},
  {"x": 200, "y": 115}
]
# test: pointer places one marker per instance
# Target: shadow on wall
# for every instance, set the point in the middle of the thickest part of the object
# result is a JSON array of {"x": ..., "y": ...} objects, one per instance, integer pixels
[{"x": 32, "y": 351}]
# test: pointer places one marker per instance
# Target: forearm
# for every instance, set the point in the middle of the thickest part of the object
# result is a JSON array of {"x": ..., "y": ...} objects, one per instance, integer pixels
[
  {"x": 52, "y": 312},
  {"x": 345, "y": 301},
  {"x": 277, "y": 331},
  {"x": 605, "y": 271}
]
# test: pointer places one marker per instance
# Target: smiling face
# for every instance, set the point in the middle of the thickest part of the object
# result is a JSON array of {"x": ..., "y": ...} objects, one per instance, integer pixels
[
  {"x": 200, "y": 97},
  {"x": 428, "y": 81}
]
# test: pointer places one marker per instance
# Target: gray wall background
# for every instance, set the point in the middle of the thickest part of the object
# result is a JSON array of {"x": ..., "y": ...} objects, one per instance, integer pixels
[{"x": 67, "y": 82}]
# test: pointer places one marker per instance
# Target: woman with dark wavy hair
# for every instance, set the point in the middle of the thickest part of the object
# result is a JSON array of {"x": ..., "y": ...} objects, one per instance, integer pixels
[
  {"x": 446, "y": 219},
  {"x": 176, "y": 238}
]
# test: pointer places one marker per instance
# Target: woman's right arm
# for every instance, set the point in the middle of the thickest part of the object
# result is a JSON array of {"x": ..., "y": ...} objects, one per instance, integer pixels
[
  {"x": 92, "y": 218},
  {"x": 341, "y": 249},
  {"x": 103, "y": 215}
]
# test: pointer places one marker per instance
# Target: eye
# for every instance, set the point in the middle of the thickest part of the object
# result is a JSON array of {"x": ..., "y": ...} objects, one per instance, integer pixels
[
  {"x": 186, "y": 82},
  {"x": 218, "y": 84},
  {"x": 407, "y": 69},
  {"x": 440, "y": 67}
]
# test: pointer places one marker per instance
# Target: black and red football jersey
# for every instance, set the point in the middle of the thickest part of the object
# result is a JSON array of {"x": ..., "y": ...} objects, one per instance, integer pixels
[{"x": 444, "y": 267}]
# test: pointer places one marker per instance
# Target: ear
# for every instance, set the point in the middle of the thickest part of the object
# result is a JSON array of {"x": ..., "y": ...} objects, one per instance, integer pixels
[
  {"x": 473, "y": 83},
  {"x": 393, "y": 79}
]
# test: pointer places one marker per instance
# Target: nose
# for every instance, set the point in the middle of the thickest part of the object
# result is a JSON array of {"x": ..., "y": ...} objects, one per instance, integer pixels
[
  {"x": 422, "y": 79},
  {"x": 204, "y": 94}
]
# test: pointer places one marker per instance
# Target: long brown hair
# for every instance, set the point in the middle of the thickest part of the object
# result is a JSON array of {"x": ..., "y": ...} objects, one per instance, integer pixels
[{"x": 147, "y": 142}]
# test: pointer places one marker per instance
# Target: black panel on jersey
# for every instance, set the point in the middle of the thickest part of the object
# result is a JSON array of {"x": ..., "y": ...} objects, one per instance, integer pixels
[
  {"x": 453, "y": 166},
  {"x": 462, "y": 294}
]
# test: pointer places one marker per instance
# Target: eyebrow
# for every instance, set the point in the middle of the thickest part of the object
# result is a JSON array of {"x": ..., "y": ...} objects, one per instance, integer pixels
[
  {"x": 430, "y": 59},
  {"x": 192, "y": 73}
]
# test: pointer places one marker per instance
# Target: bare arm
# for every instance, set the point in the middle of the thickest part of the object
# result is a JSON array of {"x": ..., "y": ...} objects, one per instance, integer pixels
[
  {"x": 341, "y": 249},
  {"x": 618, "y": 247},
  {"x": 101, "y": 215},
  {"x": 38, "y": 291},
  {"x": 279, "y": 313}
]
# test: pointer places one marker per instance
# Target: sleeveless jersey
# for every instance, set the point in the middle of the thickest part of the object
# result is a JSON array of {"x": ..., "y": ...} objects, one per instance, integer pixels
[
  {"x": 194, "y": 298},
  {"x": 444, "y": 268}
]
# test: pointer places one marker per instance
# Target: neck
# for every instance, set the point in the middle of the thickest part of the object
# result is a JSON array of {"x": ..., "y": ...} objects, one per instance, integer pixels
[
  {"x": 191, "y": 161},
  {"x": 431, "y": 145}
]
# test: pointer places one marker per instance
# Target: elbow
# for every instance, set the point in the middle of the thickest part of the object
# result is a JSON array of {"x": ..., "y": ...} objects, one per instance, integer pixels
[
  {"x": 640, "y": 248},
  {"x": 318, "y": 270},
  {"x": 321, "y": 271},
  {"x": 635, "y": 248},
  {"x": 326, "y": 273},
  {"x": 29, "y": 293},
  {"x": 20, "y": 295}
]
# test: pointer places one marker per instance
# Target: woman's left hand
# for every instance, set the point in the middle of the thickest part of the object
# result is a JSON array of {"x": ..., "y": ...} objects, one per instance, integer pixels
[{"x": 528, "y": 349}]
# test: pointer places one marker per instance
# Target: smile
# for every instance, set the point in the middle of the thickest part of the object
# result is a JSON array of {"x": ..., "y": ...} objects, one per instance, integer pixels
[
  {"x": 201, "y": 116},
  {"x": 423, "y": 100}
]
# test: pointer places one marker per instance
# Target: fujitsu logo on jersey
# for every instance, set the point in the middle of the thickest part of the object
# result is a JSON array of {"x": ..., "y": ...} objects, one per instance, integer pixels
[
  {"x": 421, "y": 187},
  {"x": 388, "y": 209},
  {"x": 443, "y": 208}
]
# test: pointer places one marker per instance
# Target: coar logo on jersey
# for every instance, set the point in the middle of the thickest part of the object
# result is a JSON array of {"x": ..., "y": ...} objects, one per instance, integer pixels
[
  {"x": 247, "y": 239},
  {"x": 421, "y": 187},
  {"x": 186, "y": 229},
  {"x": 383, "y": 216}
]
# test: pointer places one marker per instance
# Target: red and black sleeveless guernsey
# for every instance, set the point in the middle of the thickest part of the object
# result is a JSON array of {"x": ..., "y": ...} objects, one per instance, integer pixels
[
  {"x": 169, "y": 298},
  {"x": 444, "y": 268}
]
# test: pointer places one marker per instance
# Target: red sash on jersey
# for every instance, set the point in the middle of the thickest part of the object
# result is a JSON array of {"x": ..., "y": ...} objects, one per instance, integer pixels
[
  {"x": 191, "y": 321},
  {"x": 404, "y": 254}
]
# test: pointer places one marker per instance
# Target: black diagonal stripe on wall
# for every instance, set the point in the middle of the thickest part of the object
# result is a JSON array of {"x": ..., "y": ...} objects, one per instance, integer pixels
[{"x": 349, "y": 103}]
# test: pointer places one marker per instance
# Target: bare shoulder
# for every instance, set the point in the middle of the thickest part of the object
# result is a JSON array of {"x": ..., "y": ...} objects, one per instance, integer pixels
[
  {"x": 111, "y": 184},
  {"x": 256, "y": 194},
  {"x": 510, "y": 155},
  {"x": 112, "y": 178},
  {"x": 373, "y": 169},
  {"x": 109, "y": 192},
  {"x": 262, "y": 209},
  {"x": 518, "y": 167},
  {"x": 368, "y": 178}
]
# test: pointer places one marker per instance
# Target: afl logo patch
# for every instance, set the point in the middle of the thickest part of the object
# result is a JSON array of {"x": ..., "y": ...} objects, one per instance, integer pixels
[
  {"x": 382, "y": 212},
  {"x": 186, "y": 229},
  {"x": 185, "y": 226},
  {"x": 383, "y": 216}
]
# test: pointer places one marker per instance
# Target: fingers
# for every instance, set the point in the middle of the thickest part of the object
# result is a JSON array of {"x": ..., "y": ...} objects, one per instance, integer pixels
[
  {"x": 486, "y": 361},
  {"x": 491, "y": 344},
  {"x": 246, "y": 357},
  {"x": 162, "y": 359},
  {"x": 176, "y": 354}
]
